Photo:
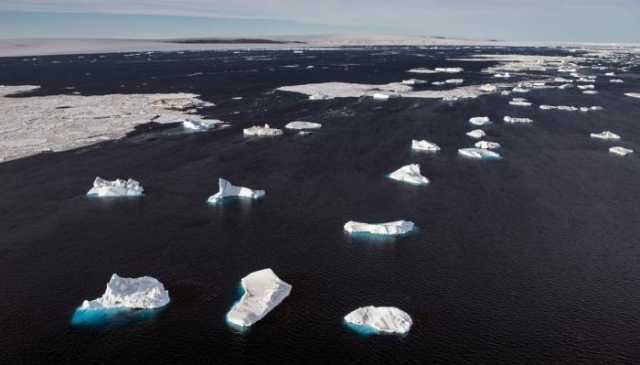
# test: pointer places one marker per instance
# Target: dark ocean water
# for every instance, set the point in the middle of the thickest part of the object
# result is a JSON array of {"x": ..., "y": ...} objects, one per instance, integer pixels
[{"x": 531, "y": 259}]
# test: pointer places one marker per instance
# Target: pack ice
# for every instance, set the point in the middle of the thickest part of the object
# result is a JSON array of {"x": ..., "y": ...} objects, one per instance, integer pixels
[
  {"x": 258, "y": 131},
  {"x": 303, "y": 125},
  {"x": 424, "y": 145},
  {"x": 395, "y": 228},
  {"x": 606, "y": 135},
  {"x": 227, "y": 190},
  {"x": 263, "y": 291},
  {"x": 479, "y": 154},
  {"x": 105, "y": 188},
  {"x": 386, "y": 320},
  {"x": 409, "y": 174},
  {"x": 134, "y": 293}
]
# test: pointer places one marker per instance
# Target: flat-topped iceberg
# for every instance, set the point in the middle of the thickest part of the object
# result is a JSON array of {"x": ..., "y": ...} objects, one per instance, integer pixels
[
  {"x": 395, "y": 228},
  {"x": 486, "y": 145},
  {"x": 258, "y": 131},
  {"x": 262, "y": 291},
  {"x": 386, "y": 320},
  {"x": 201, "y": 124},
  {"x": 480, "y": 121},
  {"x": 476, "y": 134},
  {"x": 228, "y": 190},
  {"x": 479, "y": 154},
  {"x": 606, "y": 135},
  {"x": 115, "y": 188},
  {"x": 409, "y": 174},
  {"x": 620, "y": 151},
  {"x": 303, "y": 125},
  {"x": 131, "y": 293},
  {"x": 514, "y": 120},
  {"x": 424, "y": 145}
]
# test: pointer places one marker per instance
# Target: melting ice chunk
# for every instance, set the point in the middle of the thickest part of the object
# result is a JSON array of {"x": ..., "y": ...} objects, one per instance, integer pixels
[
  {"x": 116, "y": 188},
  {"x": 262, "y": 131},
  {"x": 606, "y": 135},
  {"x": 387, "y": 320},
  {"x": 409, "y": 174},
  {"x": 226, "y": 190},
  {"x": 424, "y": 145},
  {"x": 131, "y": 293},
  {"x": 479, "y": 154},
  {"x": 395, "y": 228}
]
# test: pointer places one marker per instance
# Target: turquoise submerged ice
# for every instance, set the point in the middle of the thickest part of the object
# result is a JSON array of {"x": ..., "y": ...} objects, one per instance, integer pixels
[
  {"x": 383, "y": 320},
  {"x": 228, "y": 190}
]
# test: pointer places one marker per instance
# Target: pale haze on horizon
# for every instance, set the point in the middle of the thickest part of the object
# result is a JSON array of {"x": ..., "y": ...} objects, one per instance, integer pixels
[{"x": 523, "y": 20}]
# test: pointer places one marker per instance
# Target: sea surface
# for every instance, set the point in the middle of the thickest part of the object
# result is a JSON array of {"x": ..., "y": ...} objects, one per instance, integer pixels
[{"x": 534, "y": 258}]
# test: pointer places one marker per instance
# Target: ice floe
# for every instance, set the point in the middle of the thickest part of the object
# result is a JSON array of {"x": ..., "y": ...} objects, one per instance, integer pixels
[
  {"x": 606, "y": 135},
  {"x": 395, "y": 228},
  {"x": 265, "y": 131},
  {"x": 116, "y": 188},
  {"x": 519, "y": 102},
  {"x": 303, "y": 125},
  {"x": 479, "y": 154},
  {"x": 486, "y": 145},
  {"x": 515, "y": 120},
  {"x": 228, "y": 190},
  {"x": 480, "y": 121},
  {"x": 476, "y": 134},
  {"x": 424, "y": 145},
  {"x": 262, "y": 291},
  {"x": 454, "y": 81},
  {"x": 202, "y": 124},
  {"x": 620, "y": 151},
  {"x": 386, "y": 320},
  {"x": 132, "y": 293},
  {"x": 409, "y": 174},
  {"x": 319, "y": 96},
  {"x": 616, "y": 81}
]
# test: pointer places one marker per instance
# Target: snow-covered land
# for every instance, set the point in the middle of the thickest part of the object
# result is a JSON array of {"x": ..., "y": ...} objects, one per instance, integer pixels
[
  {"x": 228, "y": 190},
  {"x": 476, "y": 134},
  {"x": 262, "y": 131},
  {"x": 486, "y": 145},
  {"x": 606, "y": 135},
  {"x": 133, "y": 293},
  {"x": 409, "y": 174},
  {"x": 115, "y": 188},
  {"x": 302, "y": 125},
  {"x": 424, "y": 145},
  {"x": 262, "y": 291},
  {"x": 515, "y": 120},
  {"x": 386, "y": 229},
  {"x": 386, "y": 320},
  {"x": 480, "y": 121},
  {"x": 620, "y": 151},
  {"x": 479, "y": 154},
  {"x": 202, "y": 124}
]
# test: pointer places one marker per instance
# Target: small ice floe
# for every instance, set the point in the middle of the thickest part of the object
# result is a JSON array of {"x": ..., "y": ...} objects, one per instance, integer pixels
[
  {"x": 479, "y": 154},
  {"x": 480, "y": 121},
  {"x": 590, "y": 92},
  {"x": 130, "y": 293},
  {"x": 586, "y": 87},
  {"x": 380, "y": 320},
  {"x": 606, "y": 135},
  {"x": 610, "y": 74},
  {"x": 616, "y": 81},
  {"x": 514, "y": 120},
  {"x": 519, "y": 102},
  {"x": 237, "y": 98},
  {"x": 486, "y": 145},
  {"x": 409, "y": 174},
  {"x": 505, "y": 75},
  {"x": 567, "y": 108},
  {"x": 302, "y": 125},
  {"x": 201, "y": 124},
  {"x": 117, "y": 188},
  {"x": 562, "y": 79},
  {"x": 262, "y": 291},
  {"x": 454, "y": 81},
  {"x": 228, "y": 190},
  {"x": 505, "y": 93},
  {"x": 259, "y": 131},
  {"x": 385, "y": 96},
  {"x": 438, "y": 83},
  {"x": 424, "y": 145},
  {"x": 476, "y": 134},
  {"x": 395, "y": 228},
  {"x": 633, "y": 95},
  {"x": 488, "y": 88},
  {"x": 620, "y": 151},
  {"x": 565, "y": 86},
  {"x": 520, "y": 90},
  {"x": 320, "y": 96},
  {"x": 413, "y": 82}
]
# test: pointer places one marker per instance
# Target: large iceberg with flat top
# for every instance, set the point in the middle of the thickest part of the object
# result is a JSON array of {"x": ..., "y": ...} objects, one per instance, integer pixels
[
  {"x": 386, "y": 229},
  {"x": 424, "y": 145},
  {"x": 131, "y": 293},
  {"x": 228, "y": 190},
  {"x": 262, "y": 291},
  {"x": 106, "y": 188},
  {"x": 386, "y": 320},
  {"x": 409, "y": 174},
  {"x": 479, "y": 154},
  {"x": 259, "y": 131}
]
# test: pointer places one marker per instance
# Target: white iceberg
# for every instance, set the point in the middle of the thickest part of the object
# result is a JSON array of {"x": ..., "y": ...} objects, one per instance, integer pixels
[
  {"x": 132, "y": 293},
  {"x": 521, "y": 90},
  {"x": 621, "y": 151},
  {"x": 409, "y": 174},
  {"x": 259, "y": 131},
  {"x": 486, "y": 145},
  {"x": 606, "y": 135},
  {"x": 385, "y": 96},
  {"x": 488, "y": 88},
  {"x": 519, "y": 102},
  {"x": 616, "y": 81},
  {"x": 320, "y": 96},
  {"x": 413, "y": 82},
  {"x": 505, "y": 75},
  {"x": 454, "y": 81},
  {"x": 590, "y": 92},
  {"x": 476, "y": 134},
  {"x": 424, "y": 145},
  {"x": 386, "y": 229},
  {"x": 303, "y": 125},
  {"x": 227, "y": 190},
  {"x": 116, "y": 188},
  {"x": 380, "y": 319},
  {"x": 263, "y": 291},
  {"x": 586, "y": 87},
  {"x": 479, "y": 154},
  {"x": 514, "y": 120},
  {"x": 201, "y": 124},
  {"x": 633, "y": 95},
  {"x": 448, "y": 70},
  {"x": 480, "y": 121}
]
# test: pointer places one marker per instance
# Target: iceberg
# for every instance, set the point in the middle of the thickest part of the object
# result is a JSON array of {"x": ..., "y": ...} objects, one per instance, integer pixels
[
  {"x": 448, "y": 70},
  {"x": 131, "y": 293},
  {"x": 519, "y": 102},
  {"x": 303, "y": 125},
  {"x": 409, "y": 174},
  {"x": 505, "y": 75},
  {"x": 387, "y": 320},
  {"x": 105, "y": 188},
  {"x": 520, "y": 90},
  {"x": 479, "y": 154},
  {"x": 319, "y": 96},
  {"x": 620, "y": 151},
  {"x": 476, "y": 134},
  {"x": 480, "y": 121},
  {"x": 413, "y": 82},
  {"x": 395, "y": 228},
  {"x": 262, "y": 291},
  {"x": 454, "y": 81},
  {"x": 590, "y": 92},
  {"x": 258, "y": 131},
  {"x": 201, "y": 124},
  {"x": 227, "y": 190},
  {"x": 488, "y": 88},
  {"x": 438, "y": 83},
  {"x": 424, "y": 146},
  {"x": 486, "y": 145},
  {"x": 606, "y": 135},
  {"x": 586, "y": 87},
  {"x": 633, "y": 95},
  {"x": 616, "y": 81},
  {"x": 514, "y": 120},
  {"x": 385, "y": 96}
]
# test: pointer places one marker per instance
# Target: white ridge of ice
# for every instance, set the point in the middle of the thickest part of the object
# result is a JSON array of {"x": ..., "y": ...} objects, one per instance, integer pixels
[
  {"x": 480, "y": 121},
  {"x": 479, "y": 154},
  {"x": 303, "y": 125},
  {"x": 117, "y": 188},
  {"x": 476, "y": 134},
  {"x": 424, "y": 145},
  {"x": 395, "y": 228},
  {"x": 387, "y": 320},
  {"x": 258, "y": 131},
  {"x": 620, "y": 151},
  {"x": 514, "y": 120},
  {"x": 263, "y": 291},
  {"x": 134, "y": 293},
  {"x": 606, "y": 135},
  {"x": 633, "y": 95},
  {"x": 226, "y": 189},
  {"x": 409, "y": 174},
  {"x": 201, "y": 124},
  {"x": 486, "y": 145}
]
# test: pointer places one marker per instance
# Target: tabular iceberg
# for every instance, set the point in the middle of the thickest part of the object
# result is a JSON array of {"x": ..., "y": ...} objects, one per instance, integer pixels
[
  {"x": 228, "y": 190},
  {"x": 621, "y": 151},
  {"x": 303, "y": 125},
  {"x": 476, "y": 134},
  {"x": 386, "y": 320},
  {"x": 480, "y": 121},
  {"x": 395, "y": 228},
  {"x": 201, "y": 124},
  {"x": 486, "y": 145},
  {"x": 479, "y": 154},
  {"x": 132, "y": 293},
  {"x": 263, "y": 291},
  {"x": 606, "y": 135},
  {"x": 514, "y": 120},
  {"x": 409, "y": 174},
  {"x": 262, "y": 131},
  {"x": 116, "y": 188},
  {"x": 424, "y": 145}
]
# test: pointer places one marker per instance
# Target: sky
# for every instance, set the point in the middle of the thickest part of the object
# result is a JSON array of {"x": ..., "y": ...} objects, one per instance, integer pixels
[{"x": 517, "y": 20}]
